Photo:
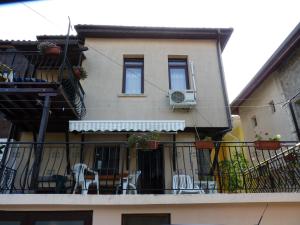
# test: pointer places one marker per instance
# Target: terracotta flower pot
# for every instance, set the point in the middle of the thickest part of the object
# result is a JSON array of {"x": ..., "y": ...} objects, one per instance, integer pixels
[
  {"x": 53, "y": 51},
  {"x": 291, "y": 157},
  {"x": 204, "y": 145},
  {"x": 77, "y": 73},
  {"x": 267, "y": 145}
]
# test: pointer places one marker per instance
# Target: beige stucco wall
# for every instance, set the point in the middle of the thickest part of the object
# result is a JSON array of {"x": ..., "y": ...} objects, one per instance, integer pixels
[
  {"x": 258, "y": 105},
  {"x": 234, "y": 209},
  {"x": 105, "y": 72}
]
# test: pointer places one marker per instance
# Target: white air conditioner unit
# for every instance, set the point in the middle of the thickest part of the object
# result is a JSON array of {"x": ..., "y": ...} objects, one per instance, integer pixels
[{"x": 182, "y": 99}]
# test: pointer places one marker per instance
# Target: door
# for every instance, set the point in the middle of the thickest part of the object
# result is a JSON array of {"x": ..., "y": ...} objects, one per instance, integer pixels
[{"x": 150, "y": 163}]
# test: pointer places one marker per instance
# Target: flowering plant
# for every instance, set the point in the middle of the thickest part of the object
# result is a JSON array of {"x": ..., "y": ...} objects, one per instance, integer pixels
[
  {"x": 142, "y": 139},
  {"x": 259, "y": 137}
]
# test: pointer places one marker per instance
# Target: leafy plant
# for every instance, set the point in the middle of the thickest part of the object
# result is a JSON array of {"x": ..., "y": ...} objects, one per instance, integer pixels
[
  {"x": 82, "y": 72},
  {"x": 232, "y": 170},
  {"x": 259, "y": 137},
  {"x": 43, "y": 46},
  {"x": 141, "y": 139}
]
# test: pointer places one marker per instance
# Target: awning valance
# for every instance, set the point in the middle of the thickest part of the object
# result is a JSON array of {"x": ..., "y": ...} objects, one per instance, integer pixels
[{"x": 126, "y": 125}]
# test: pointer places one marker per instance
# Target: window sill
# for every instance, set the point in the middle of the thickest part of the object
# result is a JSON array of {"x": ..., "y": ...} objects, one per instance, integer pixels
[{"x": 131, "y": 95}]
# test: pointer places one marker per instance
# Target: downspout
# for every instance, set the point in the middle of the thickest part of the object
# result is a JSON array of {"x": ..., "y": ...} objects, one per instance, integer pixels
[
  {"x": 220, "y": 134},
  {"x": 294, "y": 120},
  {"x": 225, "y": 95}
]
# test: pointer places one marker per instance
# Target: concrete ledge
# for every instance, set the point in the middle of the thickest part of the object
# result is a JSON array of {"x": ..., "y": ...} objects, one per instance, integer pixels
[{"x": 168, "y": 199}]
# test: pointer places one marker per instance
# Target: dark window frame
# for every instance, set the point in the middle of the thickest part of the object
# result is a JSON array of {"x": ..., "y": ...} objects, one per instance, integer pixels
[
  {"x": 133, "y": 66},
  {"x": 125, "y": 216},
  {"x": 116, "y": 157},
  {"x": 273, "y": 107},
  {"x": 30, "y": 217},
  {"x": 254, "y": 121},
  {"x": 179, "y": 66}
]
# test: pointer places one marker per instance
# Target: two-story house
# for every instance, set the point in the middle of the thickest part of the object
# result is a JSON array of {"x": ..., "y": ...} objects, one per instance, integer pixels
[{"x": 69, "y": 160}]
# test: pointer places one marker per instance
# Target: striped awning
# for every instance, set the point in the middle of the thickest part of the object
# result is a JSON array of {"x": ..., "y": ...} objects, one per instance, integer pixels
[{"x": 126, "y": 125}]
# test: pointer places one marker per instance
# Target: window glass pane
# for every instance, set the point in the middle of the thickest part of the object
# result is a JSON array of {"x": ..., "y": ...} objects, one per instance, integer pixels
[
  {"x": 10, "y": 222},
  {"x": 133, "y": 81},
  {"x": 70, "y": 222},
  {"x": 107, "y": 159},
  {"x": 178, "y": 78}
]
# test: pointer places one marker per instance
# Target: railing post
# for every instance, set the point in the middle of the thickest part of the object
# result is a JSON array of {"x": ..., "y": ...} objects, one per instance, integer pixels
[{"x": 6, "y": 149}]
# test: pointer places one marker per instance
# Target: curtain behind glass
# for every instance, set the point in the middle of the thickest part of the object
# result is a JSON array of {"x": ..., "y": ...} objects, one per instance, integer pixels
[
  {"x": 133, "y": 81},
  {"x": 178, "y": 78}
]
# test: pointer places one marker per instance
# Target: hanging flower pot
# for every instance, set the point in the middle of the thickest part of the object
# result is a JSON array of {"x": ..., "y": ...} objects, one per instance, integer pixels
[
  {"x": 267, "y": 145},
  {"x": 79, "y": 72},
  {"x": 49, "y": 48},
  {"x": 54, "y": 51},
  {"x": 201, "y": 144}
]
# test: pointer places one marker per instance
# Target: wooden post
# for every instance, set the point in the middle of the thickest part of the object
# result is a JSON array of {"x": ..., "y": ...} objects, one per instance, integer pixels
[
  {"x": 12, "y": 132},
  {"x": 81, "y": 148},
  {"x": 68, "y": 152},
  {"x": 40, "y": 142}
]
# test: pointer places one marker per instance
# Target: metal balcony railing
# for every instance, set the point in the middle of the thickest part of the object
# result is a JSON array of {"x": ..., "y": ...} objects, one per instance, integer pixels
[
  {"x": 34, "y": 68},
  {"x": 173, "y": 168}
]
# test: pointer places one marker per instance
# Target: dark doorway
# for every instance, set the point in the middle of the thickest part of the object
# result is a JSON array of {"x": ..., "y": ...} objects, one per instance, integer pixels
[{"x": 150, "y": 163}]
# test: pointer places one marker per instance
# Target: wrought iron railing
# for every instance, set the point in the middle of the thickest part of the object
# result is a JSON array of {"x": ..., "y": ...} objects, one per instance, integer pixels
[
  {"x": 173, "y": 168},
  {"x": 32, "y": 67}
]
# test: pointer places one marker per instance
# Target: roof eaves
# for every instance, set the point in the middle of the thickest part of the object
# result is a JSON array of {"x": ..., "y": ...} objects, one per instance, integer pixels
[{"x": 104, "y": 31}]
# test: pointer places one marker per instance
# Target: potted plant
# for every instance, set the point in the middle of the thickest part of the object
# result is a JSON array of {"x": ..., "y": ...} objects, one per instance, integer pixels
[
  {"x": 49, "y": 48},
  {"x": 144, "y": 141},
  {"x": 272, "y": 143},
  {"x": 205, "y": 143},
  {"x": 79, "y": 72}
]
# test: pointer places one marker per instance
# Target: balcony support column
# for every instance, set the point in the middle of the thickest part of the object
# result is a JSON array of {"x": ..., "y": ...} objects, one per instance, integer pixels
[
  {"x": 12, "y": 132},
  {"x": 82, "y": 147},
  {"x": 68, "y": 152},
  {"x": 40, "y": 141}
]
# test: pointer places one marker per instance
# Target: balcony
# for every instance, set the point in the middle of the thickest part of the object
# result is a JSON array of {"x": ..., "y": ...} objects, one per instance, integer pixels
[
  {"x": 28, "y": 76},
  {"x": 173, "y": 168}
]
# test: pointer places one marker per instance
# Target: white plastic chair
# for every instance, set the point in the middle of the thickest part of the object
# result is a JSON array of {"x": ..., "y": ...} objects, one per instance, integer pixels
[
  {"x": 129, "y": 183},
  {"x": 78, "y": 171},
  {"x": 184, "y": 184},
  {"x": 210, "y": 187}
]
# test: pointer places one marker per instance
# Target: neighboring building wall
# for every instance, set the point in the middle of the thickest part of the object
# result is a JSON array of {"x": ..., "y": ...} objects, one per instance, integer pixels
[
  {"x": 290, "y": 80},
  {"x": 105, "y": 73},
  {"x": 257, "y": 105}
]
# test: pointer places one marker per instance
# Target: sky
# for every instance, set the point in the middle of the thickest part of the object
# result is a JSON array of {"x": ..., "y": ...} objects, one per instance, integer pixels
[{"x": 260, "y": 26}]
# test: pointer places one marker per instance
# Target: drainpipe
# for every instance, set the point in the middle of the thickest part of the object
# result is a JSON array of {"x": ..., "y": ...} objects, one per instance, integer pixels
[
  {"x": 225, "y": 95},
  {"x": 294, "y": 120}
]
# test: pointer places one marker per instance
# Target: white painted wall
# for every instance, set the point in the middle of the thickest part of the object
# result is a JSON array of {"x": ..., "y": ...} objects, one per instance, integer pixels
[{"x": 258, "y": 105}]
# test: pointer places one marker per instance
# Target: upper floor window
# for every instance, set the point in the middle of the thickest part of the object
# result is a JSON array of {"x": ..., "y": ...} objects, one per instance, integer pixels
[
  {"x": 178, "y": 74},
  {"x": 133, "y": 77},
  {"x": 272, "y": 106},
  {"x": 254, "y": 121}
]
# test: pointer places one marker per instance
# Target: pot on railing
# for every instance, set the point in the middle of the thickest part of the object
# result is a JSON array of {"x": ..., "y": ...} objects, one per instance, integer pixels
[{"x": 267, "y": 145}]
